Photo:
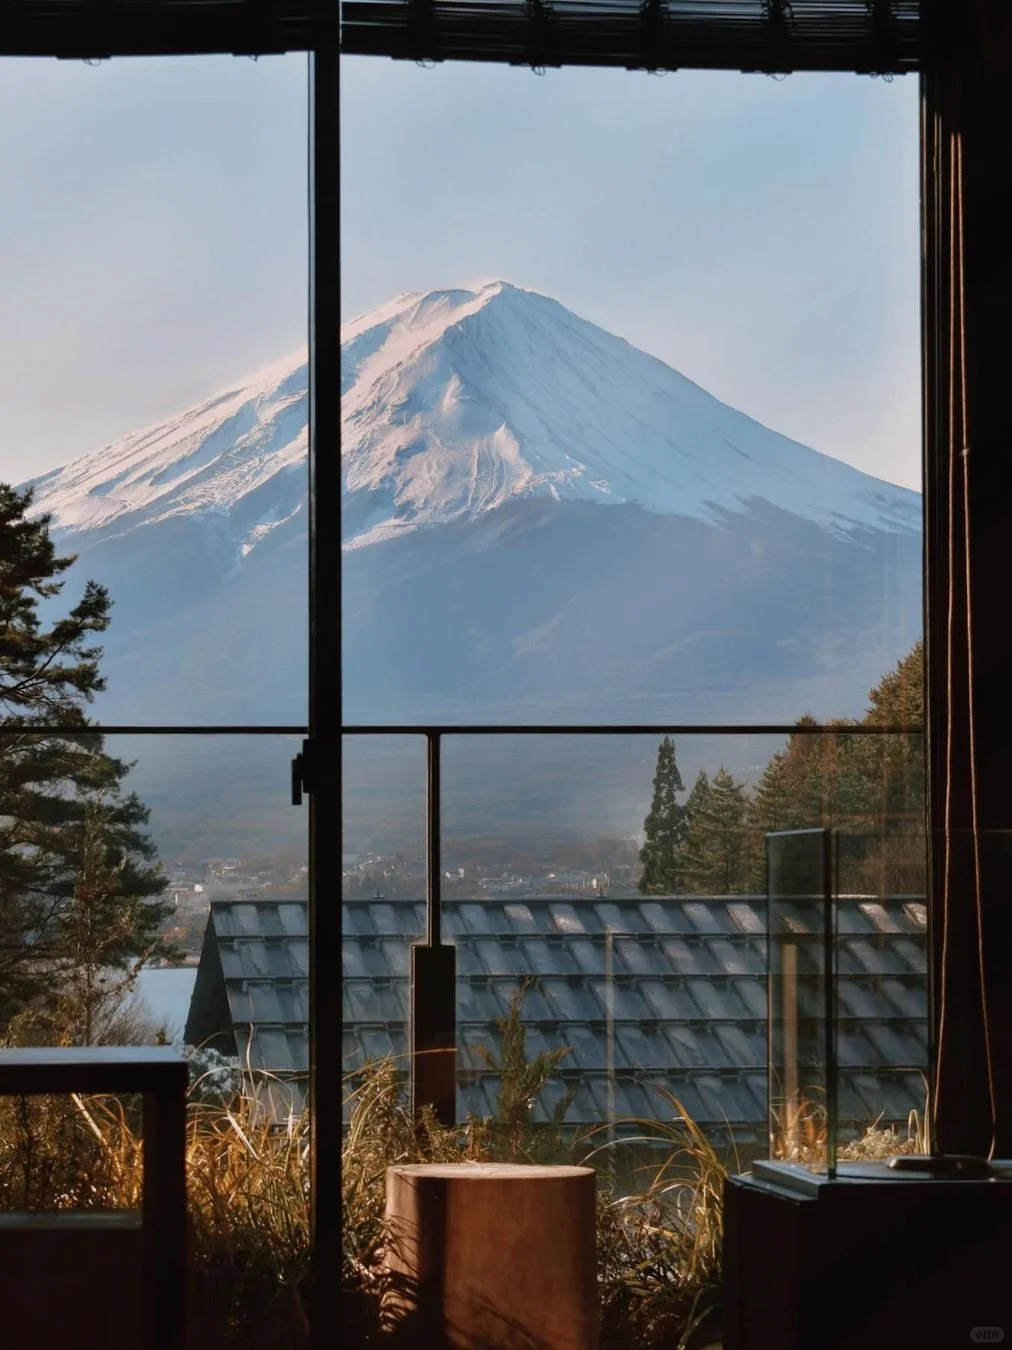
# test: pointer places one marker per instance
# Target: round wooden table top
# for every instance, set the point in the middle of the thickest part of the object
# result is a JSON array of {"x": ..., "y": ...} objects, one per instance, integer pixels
[{"x": 478, "y": 1171}]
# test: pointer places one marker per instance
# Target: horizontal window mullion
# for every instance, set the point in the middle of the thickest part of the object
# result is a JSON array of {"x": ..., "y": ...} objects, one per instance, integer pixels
[
  {"x": 634, "y": 729},
  {"x": 114, "y": 729}
]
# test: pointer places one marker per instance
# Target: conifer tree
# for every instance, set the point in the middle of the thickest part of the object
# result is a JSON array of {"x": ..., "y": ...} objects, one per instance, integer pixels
[
  {"x": 715, "y": 856},
  {"x": 664, "y": 828},
  {"x": 773, "y": 806},
  {"x": 56, "y": 779},
  {"x": 695, "y": 815}
]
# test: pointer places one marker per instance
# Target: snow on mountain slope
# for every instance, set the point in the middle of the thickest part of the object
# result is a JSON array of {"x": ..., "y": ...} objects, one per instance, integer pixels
[
  {"x": 456, "y": 401},
  {"x": 208, "y": 461}
]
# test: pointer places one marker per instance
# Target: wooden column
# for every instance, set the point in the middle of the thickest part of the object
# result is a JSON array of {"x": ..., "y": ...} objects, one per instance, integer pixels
[{"x": 492, "y": 1256}]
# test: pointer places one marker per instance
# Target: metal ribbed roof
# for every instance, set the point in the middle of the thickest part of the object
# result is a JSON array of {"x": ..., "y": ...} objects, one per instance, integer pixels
[{"x": 687, "y": 1006}]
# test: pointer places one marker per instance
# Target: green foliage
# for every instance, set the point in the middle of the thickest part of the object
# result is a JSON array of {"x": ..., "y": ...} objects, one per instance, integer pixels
[
  {"x": 870, "y": 787},
  {"x": 521, "y": 1082},
  {"x": 665, "y": 826},
  {"x": 715, "y": 853},
  {"x": 74, "y": 856}
]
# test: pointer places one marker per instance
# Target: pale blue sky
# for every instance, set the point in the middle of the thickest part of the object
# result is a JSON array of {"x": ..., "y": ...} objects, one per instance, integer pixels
[{"x": 760, "y": 235}]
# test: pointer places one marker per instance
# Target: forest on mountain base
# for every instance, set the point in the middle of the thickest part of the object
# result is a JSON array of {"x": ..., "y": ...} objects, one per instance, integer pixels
[{"x": 869, "y": 784}]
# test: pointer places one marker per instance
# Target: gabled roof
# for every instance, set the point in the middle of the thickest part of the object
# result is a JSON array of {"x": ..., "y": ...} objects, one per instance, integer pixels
[{"x": 687, "y": 1008}]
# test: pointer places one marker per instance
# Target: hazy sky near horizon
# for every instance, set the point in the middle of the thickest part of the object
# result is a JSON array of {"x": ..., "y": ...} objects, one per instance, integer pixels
[{"x": 759, "y": 235}]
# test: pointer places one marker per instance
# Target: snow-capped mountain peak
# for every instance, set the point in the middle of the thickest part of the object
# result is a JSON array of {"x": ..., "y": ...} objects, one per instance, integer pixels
[
  {"x": 456, "y": 401},
  {"x": 542, "y": 522},
  {"x": 453, "y": 403}
]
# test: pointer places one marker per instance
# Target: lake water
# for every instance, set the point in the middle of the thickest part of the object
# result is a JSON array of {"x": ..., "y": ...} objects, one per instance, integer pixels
[{"x": 165, "y": 993}]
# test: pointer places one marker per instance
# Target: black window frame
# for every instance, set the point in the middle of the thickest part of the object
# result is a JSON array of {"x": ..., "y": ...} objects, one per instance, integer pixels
[{"x": 92, "y": 29}]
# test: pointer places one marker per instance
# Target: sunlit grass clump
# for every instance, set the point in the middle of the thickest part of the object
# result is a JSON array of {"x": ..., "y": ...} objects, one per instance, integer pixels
[{"x": 660, "y": 1194}]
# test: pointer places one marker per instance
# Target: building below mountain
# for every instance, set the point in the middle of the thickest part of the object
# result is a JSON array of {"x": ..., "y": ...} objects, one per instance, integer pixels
[{"x": 685, "y": 1007}]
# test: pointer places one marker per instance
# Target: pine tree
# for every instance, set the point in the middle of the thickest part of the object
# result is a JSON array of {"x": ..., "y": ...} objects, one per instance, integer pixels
[
  {"x": 696, "y": 807},
  {"x": 57, "y": 783},
  {"x": 773, "y": 806},
  {"x": 664, "y": 828},
  {"x": 715, "y": 856}
]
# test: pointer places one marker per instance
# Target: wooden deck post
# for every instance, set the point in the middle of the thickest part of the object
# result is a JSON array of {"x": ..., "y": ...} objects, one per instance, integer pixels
[{"x": 491, "y": 1256}]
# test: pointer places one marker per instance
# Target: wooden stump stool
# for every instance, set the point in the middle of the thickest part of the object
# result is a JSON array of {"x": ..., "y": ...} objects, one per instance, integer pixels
[{"x": 491, "y": 1256}]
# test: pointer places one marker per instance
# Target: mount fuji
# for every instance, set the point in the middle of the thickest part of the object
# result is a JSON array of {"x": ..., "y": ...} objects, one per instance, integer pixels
[{"x": 539, "y": 521}]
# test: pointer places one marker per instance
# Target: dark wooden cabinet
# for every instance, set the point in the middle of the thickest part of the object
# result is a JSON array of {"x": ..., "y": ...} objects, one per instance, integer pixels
[{"x": 869, "y": 1261}]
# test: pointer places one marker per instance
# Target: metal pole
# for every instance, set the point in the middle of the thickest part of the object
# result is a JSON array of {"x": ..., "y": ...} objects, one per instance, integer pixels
[
  {"x": 434, "y": 975},
  {"x": 321, "y": 768},
  {"x": 829, "y": 888},
  {"x": 609, "y": 985},
  {"x": 433, "y": 837}
]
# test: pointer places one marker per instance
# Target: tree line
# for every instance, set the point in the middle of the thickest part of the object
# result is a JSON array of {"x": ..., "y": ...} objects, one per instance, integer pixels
[{"x": 711, "y": 841}]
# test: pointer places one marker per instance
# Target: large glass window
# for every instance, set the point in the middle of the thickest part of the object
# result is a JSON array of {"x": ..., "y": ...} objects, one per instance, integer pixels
[
  {"x": 153, "y": 655},
  {"x": 631, "y": 413},
  {"x": 632, "y": 535}
]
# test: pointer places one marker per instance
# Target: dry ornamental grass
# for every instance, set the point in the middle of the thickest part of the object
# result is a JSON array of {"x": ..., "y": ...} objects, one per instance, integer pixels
[{"x": 659, "y": 1233}]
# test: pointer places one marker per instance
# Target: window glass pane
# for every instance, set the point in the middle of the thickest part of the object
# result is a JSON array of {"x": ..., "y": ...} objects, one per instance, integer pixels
[
  {"x": 653, "y": 970},
  {"x": 139, "y": 907},
  {"x": 663, "y": 464},
  {"x": 383, "y": 900},
  {"x": 153, "y": 372}
]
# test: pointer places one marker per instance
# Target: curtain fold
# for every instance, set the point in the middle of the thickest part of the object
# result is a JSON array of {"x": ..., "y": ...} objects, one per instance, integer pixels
[{"x": 967, "y": 192}]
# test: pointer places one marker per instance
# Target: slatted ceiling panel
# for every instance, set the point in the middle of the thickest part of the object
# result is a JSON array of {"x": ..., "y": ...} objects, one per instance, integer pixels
[
  {"x": 294, "y": 918},
  {"x": 519, "y": 918},
  {"x": 753, "y": 997},
  {"x": 747, "y": 919},
  {"x": 875, "y": 36},
  {"x": 907, "y": 996},
  {"x": 669, "y": 1026},
  {"x": 683, "y": 960},
  {"x": 96, "y": 28},
  {"x": 637, "y": 958},
  {"x": 741, "y": 1047}
]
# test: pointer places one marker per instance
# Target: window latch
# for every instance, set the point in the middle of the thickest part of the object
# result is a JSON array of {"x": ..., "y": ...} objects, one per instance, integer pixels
[{"x": 302, "y": 780}]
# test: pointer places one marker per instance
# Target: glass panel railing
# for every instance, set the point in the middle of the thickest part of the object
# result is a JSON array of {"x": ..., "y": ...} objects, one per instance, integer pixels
[
  {"x": 801, "y": 989},
  {"x": 384, "y": 891},
  {"x": 632, "y": 972}
]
